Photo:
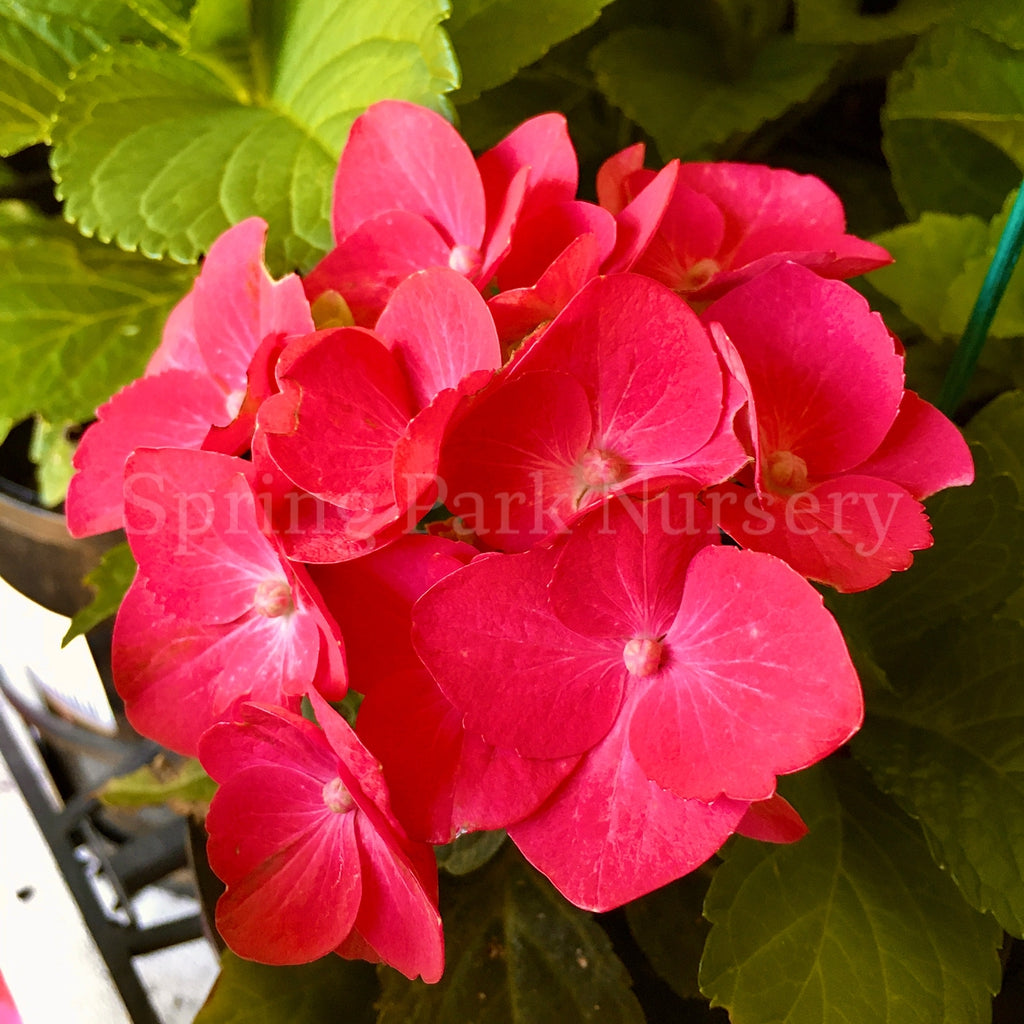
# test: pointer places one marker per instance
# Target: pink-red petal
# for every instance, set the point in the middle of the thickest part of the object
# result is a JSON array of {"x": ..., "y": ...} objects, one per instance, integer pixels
[
  {"x": 609, "y": 835},
  {"x": 174, "y": 408},
  {"x": 400, "y": 156},
  {"x": 825, "y": 379},
  {"x": 438, "y": 327},
  {"x": 521, "y": 678},
  {"x": 757, "y": 682}
]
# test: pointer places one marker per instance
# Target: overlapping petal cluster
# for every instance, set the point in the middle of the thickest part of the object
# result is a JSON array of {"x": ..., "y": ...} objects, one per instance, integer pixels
[{"x": 544, "y": 482}]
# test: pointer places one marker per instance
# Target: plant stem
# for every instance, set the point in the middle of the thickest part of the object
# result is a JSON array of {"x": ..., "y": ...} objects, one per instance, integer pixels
[{"x": 996, "y": 280}]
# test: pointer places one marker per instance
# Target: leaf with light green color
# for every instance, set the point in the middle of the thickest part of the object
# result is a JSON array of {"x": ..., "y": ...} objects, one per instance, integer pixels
[
  {"x": 929, "y": 256},
  {"x": 963, "y": 292},
  {"x": 51, "y": 451},
  {"x": 669, "y": 926},
  {"x": 948, "y": 749},
  {"x": 976, "y": 562},
  {"x": 328, "y": 990},
  {"x": 78, "y": 320},
  {"x": 110, "y": 581},
  {"x": 42, "y": 41},
  {"x": 469, "y": 852},
  {"x": 162, "y": 152},
  {"x": 516, "y": 953},
  {"x": 853, "y": 923},
  {"x": 671, "y": 83},
  {"x": 495, "y": 38},
  {"x": 176, "y": 782},
  {"x": 954, "y": 123}
]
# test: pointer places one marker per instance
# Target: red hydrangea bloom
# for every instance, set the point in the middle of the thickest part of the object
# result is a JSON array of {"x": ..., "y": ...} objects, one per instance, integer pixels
[
  {"x": 624, "y": 386},
  {"x": 360, "y": 415},
  {"x": 444, "y": 780},
  {"x": 727, "y": 222},
  {"x": 197, "y": 380},
  {"x": 215, "y": 612},
  {"x": 681, "y": 670},
  {"x": 302, "y": 833},
  {"x": 843, "y": 452}
]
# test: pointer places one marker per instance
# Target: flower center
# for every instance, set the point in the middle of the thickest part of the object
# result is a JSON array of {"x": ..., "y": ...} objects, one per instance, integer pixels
[
  {"x": 787, "y": 473},
  {"x": 273, "y": 598},
  {"x": 642, "y": 656},
  {"x": 601, "y": 469},
  {"x": 698, "y": 275},
  {"x": 465, "y": 259},
  {"x": 337, "y": 798}
]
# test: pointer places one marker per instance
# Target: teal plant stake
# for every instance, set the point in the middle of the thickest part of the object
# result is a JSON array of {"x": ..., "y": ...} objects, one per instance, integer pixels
[{"x": 996, "y": 280}]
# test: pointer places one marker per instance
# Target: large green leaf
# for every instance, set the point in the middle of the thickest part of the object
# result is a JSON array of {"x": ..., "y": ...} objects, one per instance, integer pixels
[
  {"x": 42, "y": 41},
  {"x": 669, "y": 926},
  {"x": 78, "y": 320},
  {"x": 1000, "y": 428},
  {"x": 495, "y": 38},
  {"x": 517, "y": 953},
  {"x": 851, "y": 21},
  {"x": 948, "y": 748},
  {"x": 853, "y": 923},
  {"x": 673, "y": 85},
  {"x": 162, "y": 151},
  {"x": 940, "y": 264},
  {"x": 929, "y": 256},
  {"x": 954, "y": 123},
  {"x": 842, "y": 21},
  {"x": 328, "y": 990}
]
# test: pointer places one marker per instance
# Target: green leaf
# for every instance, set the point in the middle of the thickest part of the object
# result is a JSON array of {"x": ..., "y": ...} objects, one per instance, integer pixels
[
  {"x": 77, "y": 320},
  {"x": 331, "y": 990},
  {"x": 841, "y": 21},
  {"x": 977, "y": 560},
  {"x": 495, "y": 38},
  {"x": 517, "y": 953},
  {"x": 41, "y": 42},
  {"x": 940, "y": 265},
  {"x": 948, "y": 749},
  {"x": 51, "y": 451},
  {"x": 999, "y": 427},
  {"x": 110, "y": 581},
  {"x": 852, "y": 923},
  {"x": 930, "y": 255},
  {"x": 176, "y": 782},
  {"x": 162, "y": 151},
  {"x": 469, "y": 852},
  {"x": 672, "y": 84},
  {"x": 954, "y": 123},
  {"x": 669, "y": 926}
]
